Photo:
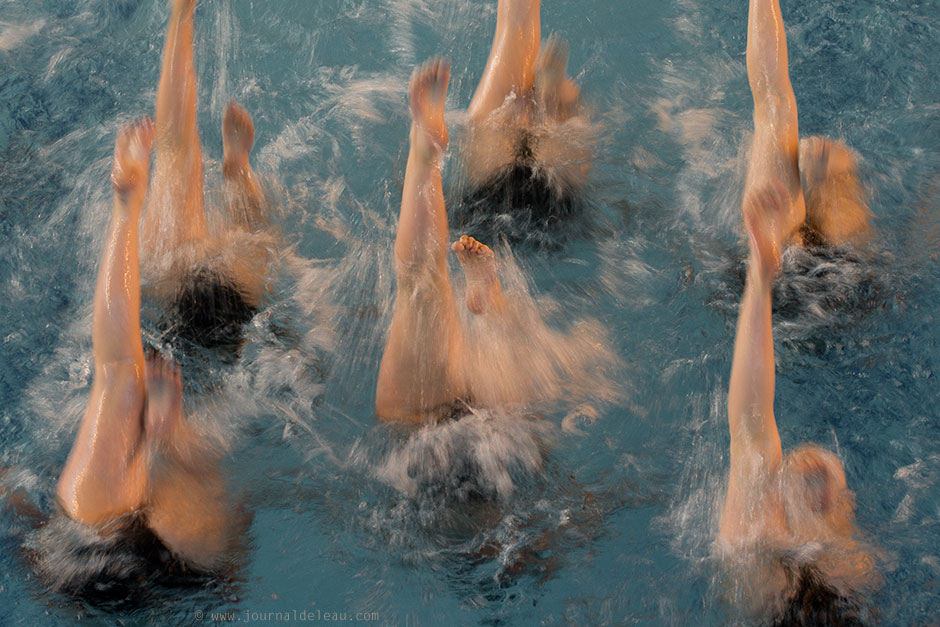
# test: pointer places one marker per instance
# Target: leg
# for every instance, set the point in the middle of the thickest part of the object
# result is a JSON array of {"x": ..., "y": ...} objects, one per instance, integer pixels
[
  {"x": 238, "y": 136},
  {"x": 559, "y": 95},
  {"x": 417, "y": 373},
  {"x": 836, "y": 203},
  {"x": 104, "y": 475},
  {"x": 175, "y": 212},
  {"x": 501, "y": 127},
  {"x": 511, "y": 65},
  {"x": 186, "y": 497},
  {"x": 755, "y": 442},
  {"x": 484, "y": 292},
  {"x": 775, "y": 148}
]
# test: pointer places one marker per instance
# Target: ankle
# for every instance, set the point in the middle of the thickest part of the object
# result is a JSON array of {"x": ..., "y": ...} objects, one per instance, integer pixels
[
  {"x": 235, "y": 166},
  {"x": 423, "y": 147}
]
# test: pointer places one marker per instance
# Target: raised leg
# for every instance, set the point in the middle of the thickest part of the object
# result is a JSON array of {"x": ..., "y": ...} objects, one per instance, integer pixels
[
  {"x": 558, "y": 94},
  {"x": 513, "y": 57},
  {"x": 105, "y": 474},
  {"x": 775, "y": 148},
  {"x": 523, "y": 100},
  {"x": 418, "y": 372},
  {"x": 186, "y": 497},
  {"x": 164, "y": 413},
  {"x": 238, "y": 136},
  {"x": 836, "y": 202},
  {"x": 755, "y": 443},
  {"x": 484, "y": 292},
  {"x": 175, "y": 212}
]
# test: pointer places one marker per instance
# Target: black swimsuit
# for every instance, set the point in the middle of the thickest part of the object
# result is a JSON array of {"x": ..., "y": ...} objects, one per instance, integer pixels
[
  {"x": 209, "y": 311},
  {"x": 515, "y": 201},
  {"x": 812, "y": 601},
  {"x": 116, "y": 565}
]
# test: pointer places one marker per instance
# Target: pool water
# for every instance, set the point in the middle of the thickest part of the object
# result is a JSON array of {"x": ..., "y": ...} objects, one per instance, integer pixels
[{"x": 603, "y": 510}]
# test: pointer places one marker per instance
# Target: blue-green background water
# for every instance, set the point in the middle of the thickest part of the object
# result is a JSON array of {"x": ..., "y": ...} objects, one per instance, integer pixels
[{"x": 617, "y": 530}]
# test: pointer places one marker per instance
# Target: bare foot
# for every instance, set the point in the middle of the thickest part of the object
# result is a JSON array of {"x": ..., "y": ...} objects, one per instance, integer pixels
[
  {"x": 479, "y": 264},
  {"x": 164, "y": 413},
  {"x": 427, "y": 93},
  {"x": 238, "y": 137},
  {"x": 558, "y": 93},
  {"x": 765, "y": 216},
  {"x": 132, "y": 161}
]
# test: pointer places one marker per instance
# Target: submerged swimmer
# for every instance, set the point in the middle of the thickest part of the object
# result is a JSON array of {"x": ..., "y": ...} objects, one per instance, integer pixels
[
  {"x": 140, "y": 489},
  {"x": 214, "y": 279},
  {"x": 829, "y": 206},
  {"x": 787, "y": 527},
  {"x": 471, "y": 376},
  {"x": 527, "y": 151}
]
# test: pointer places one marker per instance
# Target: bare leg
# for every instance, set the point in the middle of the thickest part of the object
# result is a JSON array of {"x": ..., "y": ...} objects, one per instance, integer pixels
[
  {"x": 775, "y": 148},
  {"x": 523, "y": 98},
  {"x": 755, "y": 443},
  {"x": 564, "y": 150},
  {"x": 484, "y": 292},
  {"x": 186, "y": 496},
  {"x": 836, "y": 204},
  {"x": 513, "y": 56},
  {"x": 175, "y": 212},
  {"x": 105, "y": 474},
  {"x": 238, "y": 136},
  {"x": 559, "y": 95},
  {"x": 418, "y": 372},
  {"x": 164, "y": 412}
]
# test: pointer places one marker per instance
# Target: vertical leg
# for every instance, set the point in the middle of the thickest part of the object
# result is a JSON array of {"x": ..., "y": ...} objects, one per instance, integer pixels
[
  {"x": 175, "y": 212},
  {"x": 105, "y": 475},
  {"x": 775, "y": 149},
  {"x": 187, "y": 502},
  {"x": 418, "y": 371},
  {"x": 755, "y": 443},
  {"x": 513, "y": 57},
  {"x": 238, "y": 137}
]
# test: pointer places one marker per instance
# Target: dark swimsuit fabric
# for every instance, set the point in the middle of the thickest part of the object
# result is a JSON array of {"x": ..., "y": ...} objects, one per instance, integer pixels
[
  {"x": 453, "y": 411},
  {"x": 515, "y": 201},
  {"x": 209, "y": 312},
  {"x": 813, "y": 602},
  {"x": 119, "y": 565}
]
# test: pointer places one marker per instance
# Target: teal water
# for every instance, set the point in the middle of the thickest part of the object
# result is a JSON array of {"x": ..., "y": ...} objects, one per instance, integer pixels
[{"x": 616, "y": 526}]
